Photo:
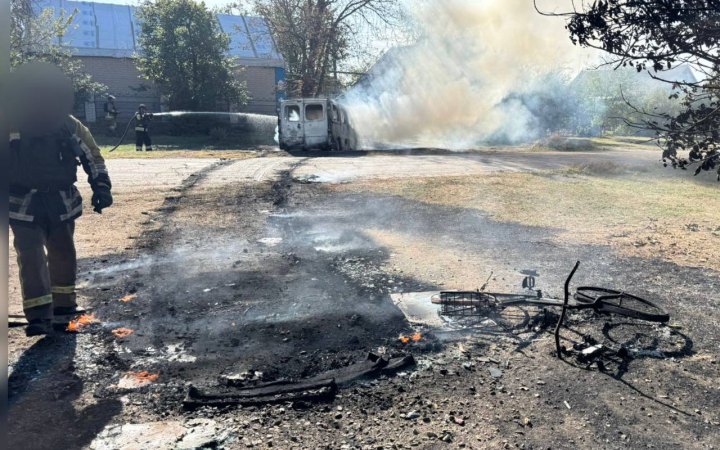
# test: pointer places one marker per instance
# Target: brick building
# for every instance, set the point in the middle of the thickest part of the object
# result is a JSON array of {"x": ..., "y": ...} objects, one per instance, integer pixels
[{"x": 105, "y": 38}]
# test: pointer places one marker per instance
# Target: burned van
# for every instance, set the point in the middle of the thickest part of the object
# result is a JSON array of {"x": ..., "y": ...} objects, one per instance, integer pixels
[
  {"x": 342, "y": 132},
  {"x": 306, "y": 124}
]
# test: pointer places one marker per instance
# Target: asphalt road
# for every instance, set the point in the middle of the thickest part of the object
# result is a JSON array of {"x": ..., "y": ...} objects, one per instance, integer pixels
[{"x": 333, "y": 167}]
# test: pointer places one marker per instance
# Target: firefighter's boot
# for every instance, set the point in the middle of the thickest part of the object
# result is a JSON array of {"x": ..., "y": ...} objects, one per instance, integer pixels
[{"x": 39, "y": 327}]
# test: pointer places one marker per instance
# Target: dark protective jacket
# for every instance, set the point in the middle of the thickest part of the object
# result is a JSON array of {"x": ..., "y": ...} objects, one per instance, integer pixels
[
  {"x": 142, "y": 121},
  {"x": 43, "y": 171},
  {"x": 110, "y": 110}
]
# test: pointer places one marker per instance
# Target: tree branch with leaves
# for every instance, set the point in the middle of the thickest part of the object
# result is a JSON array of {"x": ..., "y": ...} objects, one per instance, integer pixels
[
  {"x": 318, "y": 37},
  {"x": 656, "y": 36}
]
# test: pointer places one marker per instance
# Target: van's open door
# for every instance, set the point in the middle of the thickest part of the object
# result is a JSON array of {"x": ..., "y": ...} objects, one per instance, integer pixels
[
  {"x": 316, "y": 123},
  {"x": 292, "y": 131}
]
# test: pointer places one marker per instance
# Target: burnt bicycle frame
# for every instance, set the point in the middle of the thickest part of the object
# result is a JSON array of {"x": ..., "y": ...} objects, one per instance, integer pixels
[{"x": 473, "y": 303}]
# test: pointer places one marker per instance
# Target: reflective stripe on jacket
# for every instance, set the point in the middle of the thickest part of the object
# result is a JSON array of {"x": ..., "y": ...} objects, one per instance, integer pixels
[
  {"x": 142, "y": 122},
  {"x": 58, "y": 205}
]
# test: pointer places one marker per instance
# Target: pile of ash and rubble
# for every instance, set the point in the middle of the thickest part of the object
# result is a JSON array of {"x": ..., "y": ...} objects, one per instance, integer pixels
[{"x": 174, "y": 378}]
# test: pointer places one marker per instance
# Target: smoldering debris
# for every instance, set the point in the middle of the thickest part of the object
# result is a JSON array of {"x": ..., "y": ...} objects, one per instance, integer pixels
[
  {"x": 276, "y": 392},
  {"x": 322, "y": 387}
]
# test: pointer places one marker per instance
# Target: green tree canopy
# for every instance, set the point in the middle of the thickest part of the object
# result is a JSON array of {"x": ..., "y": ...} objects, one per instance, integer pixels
[{"x": 184, "y": 51}]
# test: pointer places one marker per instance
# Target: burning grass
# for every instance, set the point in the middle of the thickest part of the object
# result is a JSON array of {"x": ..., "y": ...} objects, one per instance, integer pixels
[{"x": 82, "y": 322}]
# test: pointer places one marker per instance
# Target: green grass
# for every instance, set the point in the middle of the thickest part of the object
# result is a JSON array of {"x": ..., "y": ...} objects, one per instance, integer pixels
[
  {"x": 585, "y": 144},
  {"x": 199, "y": 146},
  {"x": 633, "y": 142}
]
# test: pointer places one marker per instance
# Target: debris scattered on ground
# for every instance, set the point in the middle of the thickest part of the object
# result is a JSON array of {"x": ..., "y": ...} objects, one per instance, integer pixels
[
  {"x": 322, "y": 387},
  {"x": 122, "y": 332},
  {"x": 452, "y": 396},
  {"x": 269, "y": 241},
  {"x": 495, "y": 372},
  {"x": 128, "y": 298},
  {"x": 274, "y": 392}
]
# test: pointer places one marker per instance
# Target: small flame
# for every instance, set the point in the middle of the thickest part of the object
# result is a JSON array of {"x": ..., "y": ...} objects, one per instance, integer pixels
[
  {"x": 134, "y": 380},
  {"x": 75, "y": 326},
  {"x": 122, "y": 332},
  {"x": 416, "y": 337},
  {"x": 128, "y": 298},
  {"x": 144, "y": 376}
]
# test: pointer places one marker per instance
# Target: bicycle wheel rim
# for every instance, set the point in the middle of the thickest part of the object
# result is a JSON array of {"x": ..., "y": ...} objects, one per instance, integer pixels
[{"x": 621, "y": 303}]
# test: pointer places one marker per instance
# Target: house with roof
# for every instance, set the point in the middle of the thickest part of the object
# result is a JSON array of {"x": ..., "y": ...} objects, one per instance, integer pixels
[{"x": 104, "y": 37}]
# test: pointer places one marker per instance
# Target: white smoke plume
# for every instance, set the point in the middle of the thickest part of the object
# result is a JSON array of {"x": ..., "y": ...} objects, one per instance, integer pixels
[{"x": 448, "y": 89}]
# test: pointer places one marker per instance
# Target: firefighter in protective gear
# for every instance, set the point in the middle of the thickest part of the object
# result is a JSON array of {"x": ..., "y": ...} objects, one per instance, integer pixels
[
  {"x": 142, "y": 129},
  {"x": 111, "y": 114},
  {"x": 46, "y": 147}
]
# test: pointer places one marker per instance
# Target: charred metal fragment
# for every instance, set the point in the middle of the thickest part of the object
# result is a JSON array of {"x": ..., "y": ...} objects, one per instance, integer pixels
[
  {"x": 320, "y": 388},
  {"x": 373, "y": 366},
  {"x": 275, "y": 392}
]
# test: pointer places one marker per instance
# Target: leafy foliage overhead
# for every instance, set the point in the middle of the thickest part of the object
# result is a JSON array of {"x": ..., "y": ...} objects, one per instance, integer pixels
[{"x": 657, "y": 35}]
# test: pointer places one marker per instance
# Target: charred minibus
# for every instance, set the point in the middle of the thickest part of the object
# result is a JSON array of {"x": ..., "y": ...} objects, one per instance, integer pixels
[{"x": 315, "y": 123}]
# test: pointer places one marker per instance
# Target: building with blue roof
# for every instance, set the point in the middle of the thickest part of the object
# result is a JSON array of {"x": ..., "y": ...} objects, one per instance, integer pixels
[{"x": 105, "y": 38}]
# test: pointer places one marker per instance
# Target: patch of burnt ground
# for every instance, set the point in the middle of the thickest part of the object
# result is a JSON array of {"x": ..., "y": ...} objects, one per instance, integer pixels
[
  {"x": 279, "y": 279},
  {"x": 238, "y": 301}
]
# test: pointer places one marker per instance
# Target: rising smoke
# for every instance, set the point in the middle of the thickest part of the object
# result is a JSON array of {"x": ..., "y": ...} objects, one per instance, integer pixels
[{"x": 471, "y": 77}]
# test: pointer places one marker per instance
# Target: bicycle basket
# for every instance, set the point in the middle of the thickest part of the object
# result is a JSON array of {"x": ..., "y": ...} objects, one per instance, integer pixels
[{"x": 462, "y": 303}]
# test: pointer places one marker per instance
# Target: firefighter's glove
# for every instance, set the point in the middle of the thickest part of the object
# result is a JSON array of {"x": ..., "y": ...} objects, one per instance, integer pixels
[{"x": 101, "y": 199}]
